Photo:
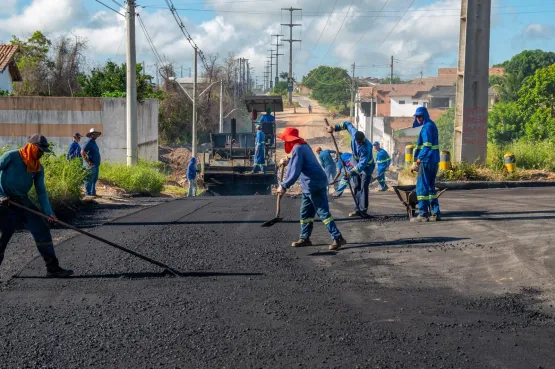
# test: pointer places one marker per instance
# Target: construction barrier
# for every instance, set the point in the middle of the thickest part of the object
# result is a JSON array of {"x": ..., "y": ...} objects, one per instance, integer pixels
[
  {"x": 445, "y": 160},
  {"x": 510, "y": 162},
  {"x": 409, "y": 151}
]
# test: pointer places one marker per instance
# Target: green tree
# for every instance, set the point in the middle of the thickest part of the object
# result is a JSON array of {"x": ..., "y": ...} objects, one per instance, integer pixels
[
  {"x": 284, "y": 76},
  {"x": 446, "y": 126},
  {"x": 330, "y": 86},
  {"x": 508, "y": 87},
  {"x": 33, "y": 63},
  {"x": 505, "y": 123},
  {"x": 110, "y": 81},
  {"x": 396, "y": 80},
  {"x": 280, "y": 89},
  {"x": 537, "y": 103}
]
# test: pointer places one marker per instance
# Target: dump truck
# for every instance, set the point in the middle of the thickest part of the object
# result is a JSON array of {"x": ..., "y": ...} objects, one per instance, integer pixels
[{"x": 227, "y": 164}]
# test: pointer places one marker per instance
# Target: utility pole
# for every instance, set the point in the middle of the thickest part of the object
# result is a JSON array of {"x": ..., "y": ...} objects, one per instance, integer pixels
[
  {"x": 194, "y": 143},
  {"x": 131, "y": 106},
  {"x": 471, "y": 112},
  {"x": 391, "y": 71},
  {"x": 157, "y": 74},
  {"x": 247, "y": 75},
  {"x": 181, "y": 71},
  {"x": 372, "y": 117},
  {"x": 222, "y": 106},
  {"x": 277, "y": 45},
  {"x": 271, "y": 70},
  {"x": 290, "y": 77},
  {"x": 352, "y": 111}
]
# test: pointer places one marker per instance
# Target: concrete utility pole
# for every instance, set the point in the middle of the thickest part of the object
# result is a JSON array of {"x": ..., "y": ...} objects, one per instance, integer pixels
[
  {"x": 372, "y": 117},
  {"x": 132, "y": 136},
  {"x": 391, "y": 71},
  {"x": 247, "y": 75},
  {"x": 277, "y": 45},
  {"x": 290, "y": 77},
  {"x": 352, "y": 111},
  {"x": 222, "y": 106},
  {"x": 194, "y": 143},
  {"x": 271, "y": 68},
  {"x": 471, "y": 112}
]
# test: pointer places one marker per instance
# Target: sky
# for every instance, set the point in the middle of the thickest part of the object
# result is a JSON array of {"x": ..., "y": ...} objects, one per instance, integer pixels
[{"x": 421, "y": 35}]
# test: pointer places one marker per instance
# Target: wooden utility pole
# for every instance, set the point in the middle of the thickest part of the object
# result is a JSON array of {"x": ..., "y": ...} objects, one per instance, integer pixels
[
  {"x": 291, "y": 41},
  {"x": 471, "y": 113}
]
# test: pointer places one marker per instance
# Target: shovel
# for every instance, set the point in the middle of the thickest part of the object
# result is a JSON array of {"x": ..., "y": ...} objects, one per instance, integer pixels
[
  {"x": 277, "y": 219},
  {"x": 167, "y": 269}
]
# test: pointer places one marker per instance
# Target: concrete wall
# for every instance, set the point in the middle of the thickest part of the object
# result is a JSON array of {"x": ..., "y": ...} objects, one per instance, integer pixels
[
  {"x": 6, "y": 80},
  {"x": 58, "y": 118}
]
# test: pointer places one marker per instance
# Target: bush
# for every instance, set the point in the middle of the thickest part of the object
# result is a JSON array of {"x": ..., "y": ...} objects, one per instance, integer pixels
[
  {"x": 64, "y": 180},
  {"x": 529, "y": 155},
  {"x": 145, "y": 177},
  {"x": 461, "y": 172}
]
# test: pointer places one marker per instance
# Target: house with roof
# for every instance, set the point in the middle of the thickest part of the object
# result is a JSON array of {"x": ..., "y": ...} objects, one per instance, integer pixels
[{"x": 9, "y": 72}]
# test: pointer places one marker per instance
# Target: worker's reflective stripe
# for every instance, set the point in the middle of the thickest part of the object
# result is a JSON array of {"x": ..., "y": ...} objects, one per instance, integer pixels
[
  {"x": 424, "y": 198},
  {"x": 382, "y": 161},
  {"x": 259, "y": 143},
  {"x": 381, "y": 180},
  {"x": 307, "y": 221},
  {"x": 428, "y": 144},
  {"x": 356, "y": 157},
  {"x": 341, "y": 125},
  {"x": 371, "y": 161},
  {"x": 327, "y": 220},
  {"x": 355, "y": 169}
]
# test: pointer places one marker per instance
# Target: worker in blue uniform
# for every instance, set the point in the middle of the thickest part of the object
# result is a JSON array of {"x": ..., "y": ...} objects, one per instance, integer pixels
[
  {"x": 314, "y": 184},
  {"x": 74, "y": 150},
  {"x": 20, "y": 170},
  {"x": 346, "y": 157},
  {"x": 426, "y": 164},
  {"x": 259, "y": 156},
  {"x": 268, "y": 117},
  {"x": 327, "y": 162},
  {"x": 364, "y": 166},
  {"x": 383, "y": 160}
]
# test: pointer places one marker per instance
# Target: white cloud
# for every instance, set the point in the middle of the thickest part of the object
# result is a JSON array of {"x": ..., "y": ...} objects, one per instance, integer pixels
[
  {"x": 8, "y": 6},
  {"x": 535, "y": 31}
]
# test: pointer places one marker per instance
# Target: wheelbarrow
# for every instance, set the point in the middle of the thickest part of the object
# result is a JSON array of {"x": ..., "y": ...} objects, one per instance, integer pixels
[{"x": 407, "y": 195}]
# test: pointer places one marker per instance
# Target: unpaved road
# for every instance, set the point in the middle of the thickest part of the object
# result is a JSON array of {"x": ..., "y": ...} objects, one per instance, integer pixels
[{"x": 475, "y": 291}]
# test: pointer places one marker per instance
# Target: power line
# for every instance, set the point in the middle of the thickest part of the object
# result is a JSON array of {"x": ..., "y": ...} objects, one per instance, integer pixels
[
  {"x": 109, "y": 7},
  {"x": 325, "y": 25},
  {"x": 396, "y": 24},
  {"x": 152, "y": 47},
  {"x": 118, "y": 4},
  {"x": 314, "y": 16},
  {"x": 339, "y": 30},
  {"x": 369, "y": 28}
]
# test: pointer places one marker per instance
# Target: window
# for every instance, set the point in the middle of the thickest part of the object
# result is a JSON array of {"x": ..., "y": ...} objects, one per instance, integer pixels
[
  {"x": 415, "y": 103},
  {"x": 401, "y": 102},
  {"x": 380, "y": 101}
]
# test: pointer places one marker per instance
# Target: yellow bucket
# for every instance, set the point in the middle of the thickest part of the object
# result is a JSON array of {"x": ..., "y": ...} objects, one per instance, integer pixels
[
  {"x": 409, "y": 151},
  {"x": 445, "y": 160},
  {"x": 510, "y": 162}
]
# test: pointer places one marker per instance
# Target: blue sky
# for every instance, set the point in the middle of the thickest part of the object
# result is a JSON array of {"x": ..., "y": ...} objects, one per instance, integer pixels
[{"x": 424, "y": 39}]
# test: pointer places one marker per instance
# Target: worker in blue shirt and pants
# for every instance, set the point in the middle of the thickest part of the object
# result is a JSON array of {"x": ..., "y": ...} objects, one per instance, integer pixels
[
  {"x": 346, "y": 157},
  {"x": 259, "y": 153},
  {"x": 314, "y": 184},
  {"x": 20, "y": 170},
  {"x": 383, "y": 160},
  {"x": 74, "y": 150},
  {"x": 364, "y": 166},
  {"x": 91, "y": 161},
  {"x": 426, "y": 164},
  {"x": 327, "y": 162}
]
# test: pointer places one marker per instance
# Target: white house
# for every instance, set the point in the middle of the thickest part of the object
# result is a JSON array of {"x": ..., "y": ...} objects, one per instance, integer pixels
[
  {"x": 8, "y": 69},
  {"x": 406, "y": 98}
]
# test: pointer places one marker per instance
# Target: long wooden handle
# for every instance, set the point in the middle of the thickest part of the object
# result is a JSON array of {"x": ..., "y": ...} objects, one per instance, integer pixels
[
  {"x": 278, "y": 205},
  {"x": 145, "y": 258}
]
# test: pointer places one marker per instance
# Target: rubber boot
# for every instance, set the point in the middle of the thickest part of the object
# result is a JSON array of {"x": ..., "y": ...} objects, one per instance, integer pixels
[
  {"x": 337, "y": 243},
  {"x": 58, "y": 272},
  {"x": 302, "y": 242},
  {"x": 418, "y": 219},
  {"x": 435, "y": 218}
]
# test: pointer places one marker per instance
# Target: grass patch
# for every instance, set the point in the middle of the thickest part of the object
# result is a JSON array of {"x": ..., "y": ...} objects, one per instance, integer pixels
[
  {"x": 529, "y": 155},
  {"x": 143, "y": 178},
  {"x": 174, "y": 191}
]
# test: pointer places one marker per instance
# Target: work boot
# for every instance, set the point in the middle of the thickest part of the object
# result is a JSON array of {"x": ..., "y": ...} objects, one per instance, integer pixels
[
  {"x": 337, "y": 243},
  {"x": 418, "y": 219},
  {"x": 302, "y": 242},
  {"x": 354, "y": 214},
  {"x": 58, "y": 272},
  {"x": 435, "y": 218}
]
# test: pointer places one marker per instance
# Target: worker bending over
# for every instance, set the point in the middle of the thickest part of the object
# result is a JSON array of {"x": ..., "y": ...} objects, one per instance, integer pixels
[
  {"x": 20, "y": 170},
  {"x": 327, "y": 162},
  {"x": 383, "y": 160},
  {"x": 426, "y": 164},
  {"x": 344, "y": 182},
  {"x": 363, "y": 163},
  {"x": 314, "y": 184}
]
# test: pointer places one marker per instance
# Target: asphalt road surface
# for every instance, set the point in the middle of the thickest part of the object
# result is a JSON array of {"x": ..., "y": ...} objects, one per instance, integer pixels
[{"x": 475, "y": 291}]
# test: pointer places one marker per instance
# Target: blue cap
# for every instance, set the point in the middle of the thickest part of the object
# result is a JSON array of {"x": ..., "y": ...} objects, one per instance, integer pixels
[{"x": 376, "y": 143}]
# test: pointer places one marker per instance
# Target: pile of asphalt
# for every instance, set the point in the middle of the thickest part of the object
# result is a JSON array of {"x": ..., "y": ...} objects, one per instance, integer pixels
[{"x": 248, "y": 300}]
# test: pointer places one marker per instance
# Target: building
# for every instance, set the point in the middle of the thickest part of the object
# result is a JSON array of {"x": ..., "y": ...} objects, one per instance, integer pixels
[{"x": 9, "y": 73}]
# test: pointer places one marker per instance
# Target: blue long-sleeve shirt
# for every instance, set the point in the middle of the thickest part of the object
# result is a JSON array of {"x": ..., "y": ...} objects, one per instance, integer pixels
[
  {"x": 362, "y": 154},
  {"x": 92, "y": 150},
  {"x": 346, "y": 157},
  {"x": 324, "y": 157},
  {"x": 383, "y": 160},
  {"x": 15, "y": 181},
  {"x": 267, "y": 118},
  {"x": 427, "y": 146},
  {"x": 303, "y": 164},
  {"x": 260, "y": 138},
  {"x": 74, "y": 151}
]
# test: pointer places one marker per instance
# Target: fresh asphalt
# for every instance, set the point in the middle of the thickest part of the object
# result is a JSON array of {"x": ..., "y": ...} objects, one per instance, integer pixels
[{"x": 474, "y": 291}]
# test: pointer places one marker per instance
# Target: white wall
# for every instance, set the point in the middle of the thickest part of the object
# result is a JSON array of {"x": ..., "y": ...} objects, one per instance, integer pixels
[
  {"x": 385, "y": 140},
  {"x": 6, "y": 80},
  {"x": 407, "y": 109}
]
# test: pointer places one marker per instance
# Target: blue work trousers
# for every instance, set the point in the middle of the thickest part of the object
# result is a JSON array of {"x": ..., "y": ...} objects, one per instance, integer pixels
[
  {"x": 381, "y": 178},
  {"x": 11, "y": 218},
  {"x": 361, "y": 185},
  {"x": 316, "y": 202},
  {"x": 90, "y": 181},
  {"x": 426, "y": 190},
  {"x": 331, "y": 171}
]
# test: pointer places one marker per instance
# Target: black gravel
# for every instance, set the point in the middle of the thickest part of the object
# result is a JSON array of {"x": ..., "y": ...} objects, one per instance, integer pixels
[{"x": 248, "y": 300}]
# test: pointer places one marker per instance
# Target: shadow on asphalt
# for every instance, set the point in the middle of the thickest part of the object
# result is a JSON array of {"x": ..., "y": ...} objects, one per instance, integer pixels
[
  {"x": 150, "y": 275},
  {"x": 213, "y": 222},
  {"x": 499, "y": 215},
  {"x": 407, "y": 242}
]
